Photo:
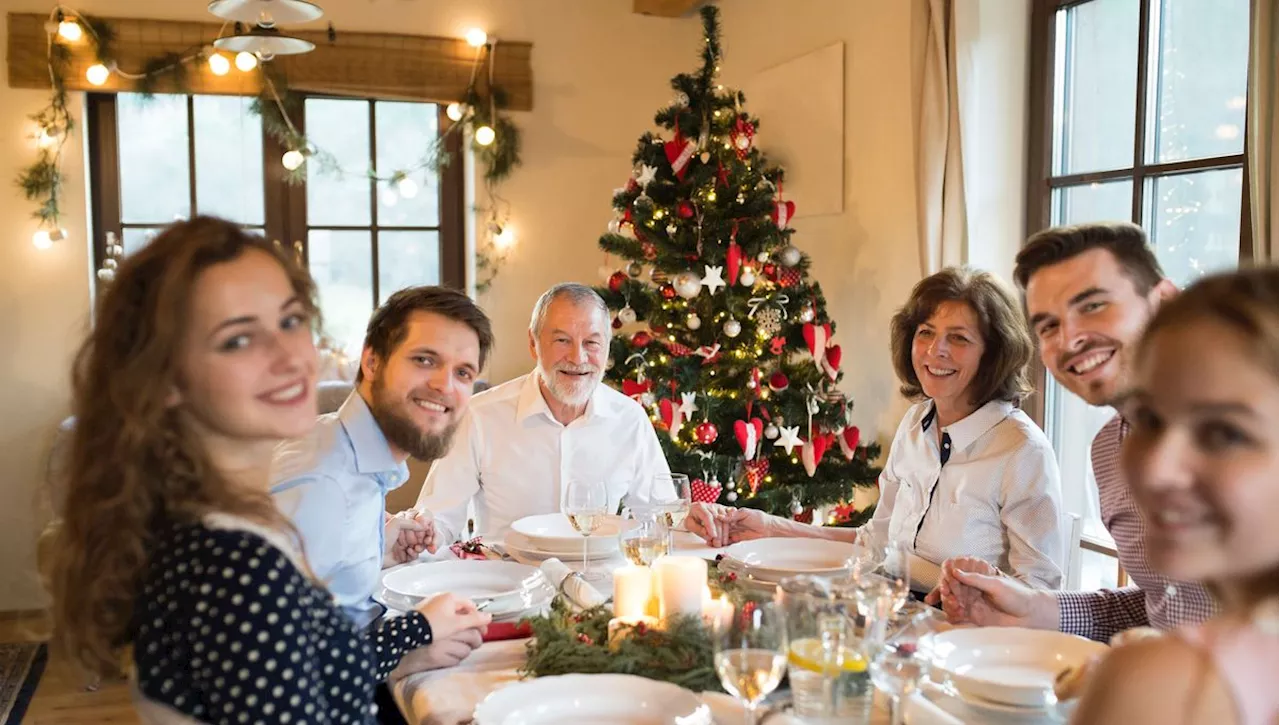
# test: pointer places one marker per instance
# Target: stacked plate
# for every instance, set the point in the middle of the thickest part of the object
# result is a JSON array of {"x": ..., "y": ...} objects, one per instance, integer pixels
[
  {"x": 614, "y": 699},
  {"x": 538, "y": 538},
  {"x": 505, "y": 589},
  {"x": 765, "y": 562},
  {"x": 1009, "y": 670}
]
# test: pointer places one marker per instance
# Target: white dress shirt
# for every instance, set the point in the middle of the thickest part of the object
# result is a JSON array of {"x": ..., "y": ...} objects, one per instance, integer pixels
[
  {"x": 515, "y": 459},
  {"x": 997, "y": 497}
]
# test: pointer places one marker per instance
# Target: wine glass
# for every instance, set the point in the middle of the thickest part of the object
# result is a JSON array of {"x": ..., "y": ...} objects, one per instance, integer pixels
[
  {"x": 586, "y": 503},
  {"x": 881, "y": 582},
  {"x": 899, "y": 665},
  {"x": 673, "y": 495},
  {"x": 644, "y": 534},
  {"x": 750, "y": 653}
]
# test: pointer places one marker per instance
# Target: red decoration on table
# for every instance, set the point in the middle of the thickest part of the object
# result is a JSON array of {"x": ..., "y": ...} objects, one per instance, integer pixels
[
  {"x": 849, "y": 438},
  {"x": 616, "y": 280},
  {"x": 777, "y": 345},
  {"x": 641, "y": 339},
  {"x": 679, "y": 151},
  {"x": 684, "y": 210},
  {"x": 811, "y": 452},
  {"x": 832, "y": 362},
  {"x": 706, "y": 433},
  {"x": 782, "y": 213},
  {"x": 636, "y": 388},
  {"x": 703, "y": 492},
  {"x": 500, "y": 631},
  {"x": 473, "y": 549},
  {"x": 749, "y": 435},
  {"x": 732, "y": 262},
  {"x": 778, "y": 382},
  {"x": 755, "y": 471}
]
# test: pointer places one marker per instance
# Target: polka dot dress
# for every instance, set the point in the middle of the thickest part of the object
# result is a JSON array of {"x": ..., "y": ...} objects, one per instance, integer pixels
[{"x": 228, "y": 630}]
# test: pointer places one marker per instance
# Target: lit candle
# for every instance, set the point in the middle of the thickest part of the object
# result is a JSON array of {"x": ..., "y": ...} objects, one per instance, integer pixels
[
  {"x": 681, "y": 581},
  {"x": 717, "y": 610},
  {"x": 632, "y": 587}
]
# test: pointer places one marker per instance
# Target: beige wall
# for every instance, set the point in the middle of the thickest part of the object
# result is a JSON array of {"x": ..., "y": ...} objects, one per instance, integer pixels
[{"x": 600, "y": 73}]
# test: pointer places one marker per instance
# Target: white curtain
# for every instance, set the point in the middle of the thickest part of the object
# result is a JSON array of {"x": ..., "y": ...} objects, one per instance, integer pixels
[
  {"x": 939, "y": 164},
  {"x": 1261, "y": 141}
]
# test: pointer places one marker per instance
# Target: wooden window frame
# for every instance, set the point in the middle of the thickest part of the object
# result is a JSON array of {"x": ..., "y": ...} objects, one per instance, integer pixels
[{"x": 285, "y": 205}]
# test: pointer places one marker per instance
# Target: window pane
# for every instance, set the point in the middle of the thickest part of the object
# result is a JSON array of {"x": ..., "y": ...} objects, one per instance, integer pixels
[
  {"x": 1097, "y": 571},
  {"x": 341, "y": 263},
  {"x": 154, "y": 166},
  {"x": 341, "y": 128},
  {"x": 406, "y": 259},
  {"x": 405, "y": 133},
  {"x": 1100, "y": 202},
  {"x": 136, "y": 238},
  {"x": 1096, "y": 82},
  {"x": 1203, "y": 64},
  {"x": 228, "y": 159},
  {"x": 1195, "y": 222}
]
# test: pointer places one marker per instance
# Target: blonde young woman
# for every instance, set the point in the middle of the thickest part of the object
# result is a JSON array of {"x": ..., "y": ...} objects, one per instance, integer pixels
[
  {"x": 200, "y": 361},
  {"x": 1203, "y": 460}
]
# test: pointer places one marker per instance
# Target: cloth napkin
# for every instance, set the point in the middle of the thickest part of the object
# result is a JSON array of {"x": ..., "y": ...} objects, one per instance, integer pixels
[
  {"x": 919, "y": 710},
  {"x": 568, "y": 582}
]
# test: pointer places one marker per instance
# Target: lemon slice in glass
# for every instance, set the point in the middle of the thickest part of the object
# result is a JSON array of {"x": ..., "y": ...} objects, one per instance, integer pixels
[{"x": 808, "y": 654}]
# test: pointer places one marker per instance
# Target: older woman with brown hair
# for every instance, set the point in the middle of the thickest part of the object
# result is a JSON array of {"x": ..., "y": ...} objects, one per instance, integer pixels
[{"x": 968, "y": 472}]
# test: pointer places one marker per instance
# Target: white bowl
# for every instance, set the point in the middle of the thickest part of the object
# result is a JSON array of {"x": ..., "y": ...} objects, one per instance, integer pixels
[
  {"x": 1009, "y": 665},
  {"x": 776, "y": 558},
  {"x": 511, "y": 586},
  {"x": 574, "y": 699},
  {"x": 553, "y": 534}
]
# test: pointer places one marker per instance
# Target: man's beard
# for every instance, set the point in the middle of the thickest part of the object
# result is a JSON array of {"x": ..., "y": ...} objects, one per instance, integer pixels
[
  {"x": 569, "y": 393},
  {"x": 402, "y": 432}
]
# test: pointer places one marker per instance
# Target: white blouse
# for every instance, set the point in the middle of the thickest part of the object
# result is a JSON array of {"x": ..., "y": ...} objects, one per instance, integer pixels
[{"x": 997, "y": 496}]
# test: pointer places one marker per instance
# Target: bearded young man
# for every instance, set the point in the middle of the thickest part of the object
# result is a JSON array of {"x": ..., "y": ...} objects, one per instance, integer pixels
[
  {"x": 423, "y": 350},
  {"x": 523, "y": 441}
]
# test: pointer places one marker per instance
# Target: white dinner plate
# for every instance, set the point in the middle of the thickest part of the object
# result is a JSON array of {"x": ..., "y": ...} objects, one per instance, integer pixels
[
  {"x": 553, "y": 534},
  {"x": 594, "y": 699},
  {"x": 776, "y": 558},
  {"x": 977, "y": 709},
  {"x": 512, "y": 587},
  {"x": 1009, "y": 665},
  {"x": 519, "y": 546}
]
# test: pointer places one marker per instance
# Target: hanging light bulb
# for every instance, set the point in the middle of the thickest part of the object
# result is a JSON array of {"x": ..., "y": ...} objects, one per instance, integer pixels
[
  {"x": 505, "y": 237},
  {"x": 485, "y": 135},
  {"x": 70, "y": 30},
  {"x": 219, "y": 65},
  {"x": 453, "y": 111},
  {"x": 44, "y": 139},
  {"x": 246, "y": 61},
  {"x": 408, "y": 187},
  {"x": 292, "y": 159},
  {"x": 265, "y": 19},
  {"x": 476, "y": 37},
  {"x": 388, "y": 196},
  {"x": 97, "y": 74},
  {"x": 46, "y": 236}
]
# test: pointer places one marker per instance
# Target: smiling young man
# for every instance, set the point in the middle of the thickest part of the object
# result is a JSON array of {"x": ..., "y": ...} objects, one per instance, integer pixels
[
  {"x": 422, "y": 353},
  {"x": 1090, "y": 291},
  {"x": 523, "y": 441}
]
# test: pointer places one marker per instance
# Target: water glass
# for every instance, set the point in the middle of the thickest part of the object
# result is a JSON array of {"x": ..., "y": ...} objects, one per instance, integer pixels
[
  {"x": 672, "y": 493},
  {"x": 750, "y": 650},
  {"x": 901, "y": 663},
  {"x": 826, "y": 661}
]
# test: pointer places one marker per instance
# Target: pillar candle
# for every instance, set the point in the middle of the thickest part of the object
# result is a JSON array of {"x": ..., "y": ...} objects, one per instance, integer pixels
[
  {"x": 632, "y": 587},
  {"x": 681, "y": 581},
  {"x": 717, "y": 610}
]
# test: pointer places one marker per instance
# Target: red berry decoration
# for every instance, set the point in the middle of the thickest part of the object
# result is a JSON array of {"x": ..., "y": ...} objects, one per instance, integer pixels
[
  {"x": 685, "y": 210},
  {"x": 778, "y": 382},
  {"x": 641, "y": 339},
  {"x": 668, "y": 292},
  {"x": 706, "y": 433},
  {"x": 616, "y": 280}
]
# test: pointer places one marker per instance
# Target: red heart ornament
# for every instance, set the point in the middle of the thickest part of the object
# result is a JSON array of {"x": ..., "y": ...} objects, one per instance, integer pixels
[
  {"x": 817, "y": 337},
  {"x": 832, "y": 363},
  {"x": 704, "y": 492},
  {"x": 679, "y": 151},
  {"x": 749, "y": 435},
  {"x": 849, "y": 439},
  {"x": 754, "y": 473},
  {"x": 733, "y": 262},
  {"x": 634, "y": 388},
  {"x": 667, "y": 411},
  {"x": 812, "y": 452},
  {"x": 782, "y": 213}
]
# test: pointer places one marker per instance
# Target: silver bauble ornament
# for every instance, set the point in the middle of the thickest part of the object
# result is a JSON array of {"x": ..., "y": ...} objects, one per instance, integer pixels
[
  {"x": 771, "y": 431},
  {"x": 634, "y": 270},
  {"x": 687, "y": 285},
  {"x": 742, "y": 143},
  {"x": 106, "y": 275},
  {"x": 626, "y": 315},
  {"x": 615, "y": 226},
  {"x": 658, "y": 276},
  {"x": 693, "y": 322},
  {"x": 732, "y": 327},
  {"x": 731, "y": 496},
  {"x": 672, "y": 229},
  {"x": 796, "y": 508},
  {"x": 747, "y": 277},
  {"x": 789, "y": 255},
  {"x": 807, "y": 314}
]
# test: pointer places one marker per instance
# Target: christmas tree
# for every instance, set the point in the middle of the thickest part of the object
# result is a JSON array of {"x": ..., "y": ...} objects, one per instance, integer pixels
[{"x": 728, "y": 343}]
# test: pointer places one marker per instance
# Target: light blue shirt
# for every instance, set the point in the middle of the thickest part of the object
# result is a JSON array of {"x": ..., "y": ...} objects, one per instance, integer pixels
[{"x": 333, "y": 484}]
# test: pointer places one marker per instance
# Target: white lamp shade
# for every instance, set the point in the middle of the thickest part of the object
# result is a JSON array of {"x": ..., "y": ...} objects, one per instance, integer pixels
[
  {"x": 273, "y": 12},
  {"x": 264, "y": 42}
]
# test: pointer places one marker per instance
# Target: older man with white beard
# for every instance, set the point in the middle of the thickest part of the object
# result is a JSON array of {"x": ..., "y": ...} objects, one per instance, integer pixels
[{"x": 522, "y": 442}]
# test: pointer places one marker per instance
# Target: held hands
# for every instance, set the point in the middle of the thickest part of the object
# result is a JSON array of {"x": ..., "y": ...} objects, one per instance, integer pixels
[
  {"x": 450, "y": 615},
  {"x": 441, "y": 653},
  {"x": 408, "y": 534},
  {"x": 723, "y": 525},
  {"x": 973, "y": 591}
]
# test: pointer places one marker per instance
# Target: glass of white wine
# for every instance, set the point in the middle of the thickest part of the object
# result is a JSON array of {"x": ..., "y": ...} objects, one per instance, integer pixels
[
  {"x": 586, "y": 503},
  {"x": 673, "y": 495},
  {"x": 750, "y": 653},
  {"x": 644, "y": 533}
]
